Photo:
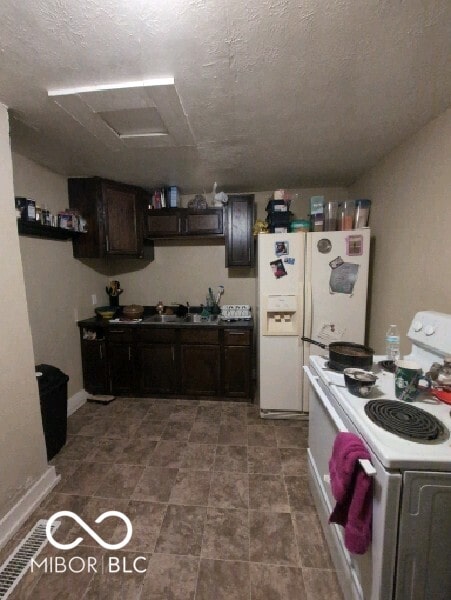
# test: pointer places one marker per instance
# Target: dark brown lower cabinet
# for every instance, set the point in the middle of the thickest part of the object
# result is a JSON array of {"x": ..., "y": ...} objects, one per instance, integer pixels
[
  {"x": 237, "y": 371},
  {"x": 167, "y": 361},
  {"x": 200, "y": 370},
  {"x": 95, "y": 366},
  {"x": 121, "y": 368}
]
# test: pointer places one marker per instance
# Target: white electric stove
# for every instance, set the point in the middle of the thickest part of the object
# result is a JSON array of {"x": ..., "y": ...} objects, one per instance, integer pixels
[{"x": 408, "y": 557}]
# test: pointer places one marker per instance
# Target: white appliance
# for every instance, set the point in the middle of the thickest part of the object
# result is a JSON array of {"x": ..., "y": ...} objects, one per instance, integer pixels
[
  {"x": 312, "y": 285},
  {"x": 411, "y": 530}
]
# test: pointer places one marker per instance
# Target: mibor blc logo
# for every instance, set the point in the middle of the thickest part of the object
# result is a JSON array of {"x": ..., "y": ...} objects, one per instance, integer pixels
[{"x": 78, "y": 564}]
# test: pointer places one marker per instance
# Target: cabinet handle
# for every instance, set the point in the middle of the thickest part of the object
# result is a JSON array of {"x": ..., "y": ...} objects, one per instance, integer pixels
[
  {"x": 107, "y": 244},
  {"x": 237, "y": 332},
  {"x": 129, "y": 353},
  {"x": 173, "y": 354},
  {"x": 111, "y": 331},
  {"x": 101, "y": 353}
]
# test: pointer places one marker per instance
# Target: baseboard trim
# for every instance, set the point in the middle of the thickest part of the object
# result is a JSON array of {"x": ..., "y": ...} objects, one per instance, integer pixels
[
  {"x": 76, "y": 401},
  {"x": 11, "y": 522}
]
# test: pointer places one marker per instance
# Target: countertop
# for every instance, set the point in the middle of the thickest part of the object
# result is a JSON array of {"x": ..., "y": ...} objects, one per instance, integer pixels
[{"x": 95, "y": 323}]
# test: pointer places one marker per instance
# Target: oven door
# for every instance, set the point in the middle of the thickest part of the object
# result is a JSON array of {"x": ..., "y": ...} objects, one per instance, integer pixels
[{"x": 369, "y": 576}]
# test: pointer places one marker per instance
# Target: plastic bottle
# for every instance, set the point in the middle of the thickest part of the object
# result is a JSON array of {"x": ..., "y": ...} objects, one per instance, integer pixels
[{"x": 392, "y": 343}]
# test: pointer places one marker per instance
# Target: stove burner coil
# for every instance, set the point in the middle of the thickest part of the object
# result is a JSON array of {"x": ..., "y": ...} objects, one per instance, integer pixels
[{"x": 404, "y": 419}]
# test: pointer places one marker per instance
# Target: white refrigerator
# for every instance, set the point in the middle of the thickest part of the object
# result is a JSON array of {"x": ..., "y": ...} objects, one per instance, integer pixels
[{"x": 308, "y": 285}]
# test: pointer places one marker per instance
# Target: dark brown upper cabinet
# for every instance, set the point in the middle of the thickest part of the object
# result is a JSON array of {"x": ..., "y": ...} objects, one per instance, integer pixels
[
  {"x": 114, "y": 214},
  {"x": 239, "y": 240},
  {"x": 182, "y": 222}
]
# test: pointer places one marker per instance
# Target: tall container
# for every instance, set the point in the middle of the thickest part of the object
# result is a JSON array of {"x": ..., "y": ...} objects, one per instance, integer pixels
[{"x": 53, "y": 399}]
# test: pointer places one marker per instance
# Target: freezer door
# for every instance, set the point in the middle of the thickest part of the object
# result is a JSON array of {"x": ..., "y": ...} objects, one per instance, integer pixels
[{"x": 280, "y": 283}]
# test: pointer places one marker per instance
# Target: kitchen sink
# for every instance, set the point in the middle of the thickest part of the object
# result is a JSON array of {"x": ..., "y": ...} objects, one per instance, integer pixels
[{"x": 163, "y": 319}]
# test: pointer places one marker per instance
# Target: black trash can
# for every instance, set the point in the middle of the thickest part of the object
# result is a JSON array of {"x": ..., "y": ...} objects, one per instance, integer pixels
[{"x": 53, "y": 396}]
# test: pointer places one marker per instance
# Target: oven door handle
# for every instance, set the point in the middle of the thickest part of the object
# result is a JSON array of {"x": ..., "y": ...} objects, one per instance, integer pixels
[{"x": 364, "y": 463}]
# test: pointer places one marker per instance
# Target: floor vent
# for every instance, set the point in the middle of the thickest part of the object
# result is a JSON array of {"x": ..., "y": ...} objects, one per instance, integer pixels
[{"x": 19, "y": 561}]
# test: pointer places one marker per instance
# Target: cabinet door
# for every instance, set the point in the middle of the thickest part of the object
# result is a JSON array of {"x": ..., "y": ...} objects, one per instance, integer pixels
[
  {"x": 157, "y": 369},
  {"x": 237, "y": 371},
  {"x": 163, "y": 223},
  {"x": 121, "y": 371},
  {"x": 239, "y": 237},
  {"x": 94, "y": 364},
  {"x": 205, "y": 222},
  {"x": 122, "y": 225},
  {"x": 200, "y": 368}
]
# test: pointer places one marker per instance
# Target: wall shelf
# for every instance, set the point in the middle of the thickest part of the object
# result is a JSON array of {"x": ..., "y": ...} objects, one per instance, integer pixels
[{"x": 46, "y": 231}]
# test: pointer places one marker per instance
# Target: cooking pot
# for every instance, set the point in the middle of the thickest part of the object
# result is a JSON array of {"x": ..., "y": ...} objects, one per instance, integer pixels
[
  {"x": 346, "y": 354},
  {"x": 133, "y": 311}
]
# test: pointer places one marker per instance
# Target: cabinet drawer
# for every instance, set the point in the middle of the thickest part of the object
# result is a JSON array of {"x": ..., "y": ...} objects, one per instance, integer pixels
[
  {"x": 199, "y": 335},
  {"x": 237, "y": 337},
  {"x": 120, "y": 334},
  {"x": 156, "y": 334}
]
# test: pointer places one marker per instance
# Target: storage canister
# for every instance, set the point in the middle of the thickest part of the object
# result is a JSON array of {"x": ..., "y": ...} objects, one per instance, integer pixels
[
  {"x": 300, "y": 225},
  {"x": 362, "y": 213},
  {"x": 346, "y": 216}
]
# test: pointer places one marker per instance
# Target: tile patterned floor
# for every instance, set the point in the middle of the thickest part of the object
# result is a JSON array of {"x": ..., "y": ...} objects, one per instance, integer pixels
[{"x": 218, "y": 498}]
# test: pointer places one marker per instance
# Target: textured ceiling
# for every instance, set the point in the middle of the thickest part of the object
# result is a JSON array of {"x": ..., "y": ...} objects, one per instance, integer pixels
[{"x": 276, "y": 93}]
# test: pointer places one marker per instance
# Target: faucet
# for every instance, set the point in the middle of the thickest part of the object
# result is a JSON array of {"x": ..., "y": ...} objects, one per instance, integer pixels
[
  {"x": 188, "y": 308},
  {"x": 160, "y": 307}
]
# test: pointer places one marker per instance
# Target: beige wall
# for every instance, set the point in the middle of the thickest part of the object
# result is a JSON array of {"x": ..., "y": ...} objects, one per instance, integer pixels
[
  {"x": 58, "y": 287},
  {"x": 22, "y": 448},
  {"x": 411, "y": 223}
]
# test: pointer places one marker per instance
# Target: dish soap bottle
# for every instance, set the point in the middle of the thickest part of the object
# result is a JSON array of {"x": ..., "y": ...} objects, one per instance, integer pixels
[{"x": 392, "y": 343}]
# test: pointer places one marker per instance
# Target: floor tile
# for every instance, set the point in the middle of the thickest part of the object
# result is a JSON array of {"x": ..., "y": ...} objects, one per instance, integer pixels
[
  {"x": 150, "y": 429},
  {"x": 96, "y": 426},
  {"x": 299, "y": 493},
  {"x": 231, "y": 458},
  {"x": 170, "y": 577},
  {"x": 272, "y": 539},
  {"x": 167, "y": 454},
  {"x": 260, "y": 435},
  {"x": 182, "y": 530},
  {"x": 155, "y": 484},
  {"x": 223, "y": 580},
  {"x": 312, "y": 546},
  {"x": 135, "y": 451},
  {"x": 183, "y": 413},
  {"x": 106, "y": 450},
  {"x": 226, "y": 534},
  {"x": 159, "y": 412},
  {"x": 229, "y": 490},
  {"x": 291, "y": 437},
  {"x": 294, "y": 461},
  {"x": 267, "y": 492},
  {"x": 177, "y": 431},
  {"x": 77, "y": 447},
  {"x": 276, "y": 583},
  {"x": 191, "y": 488},
  {"x": 264, "y": 460},
  {"x": 232, "y": 435},
  {"x": 86, "y": 479},
  {"x": 112, "y": 530},
  {"x": 210, "y": 412},
  {"x": 122, "y": 578},
  {"x": 320, "y": 584},
  {"x": 146, "y": 518},
  {"x": 199, "y": 457},
  {"x": 204, "y": 432},
  {"x": 120, "y": 481},
  {"x": 122, "y": 427}
]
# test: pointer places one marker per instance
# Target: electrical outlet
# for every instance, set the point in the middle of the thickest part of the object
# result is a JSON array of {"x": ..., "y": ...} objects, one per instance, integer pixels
[{"x": 94, "y": 299}]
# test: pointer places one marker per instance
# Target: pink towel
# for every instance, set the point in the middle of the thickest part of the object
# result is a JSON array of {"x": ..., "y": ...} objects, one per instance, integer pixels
[{"x": 353, "y": 490}]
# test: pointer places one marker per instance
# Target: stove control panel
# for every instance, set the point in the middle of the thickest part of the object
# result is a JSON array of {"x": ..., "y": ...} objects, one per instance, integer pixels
[{"x": 432, "y": 331}]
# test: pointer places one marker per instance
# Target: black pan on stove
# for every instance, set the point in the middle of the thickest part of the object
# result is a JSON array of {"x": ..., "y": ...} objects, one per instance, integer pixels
[{"x": 346, "y": 354}]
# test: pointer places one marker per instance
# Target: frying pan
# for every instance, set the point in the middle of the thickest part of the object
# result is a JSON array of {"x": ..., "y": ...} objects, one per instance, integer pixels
[{"x": 346, "y": 354}]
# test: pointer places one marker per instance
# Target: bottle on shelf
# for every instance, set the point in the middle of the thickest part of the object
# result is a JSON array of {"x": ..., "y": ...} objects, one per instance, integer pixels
[{"x": 392, "y": 343}]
